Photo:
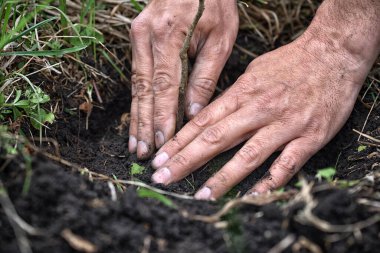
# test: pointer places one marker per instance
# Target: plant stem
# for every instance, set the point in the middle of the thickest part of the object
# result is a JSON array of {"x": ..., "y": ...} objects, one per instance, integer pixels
[{"x": 185, "y": 66}]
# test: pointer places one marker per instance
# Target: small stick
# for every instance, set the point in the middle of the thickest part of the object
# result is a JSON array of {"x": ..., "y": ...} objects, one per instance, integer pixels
[{"x": 185, "y": 66}]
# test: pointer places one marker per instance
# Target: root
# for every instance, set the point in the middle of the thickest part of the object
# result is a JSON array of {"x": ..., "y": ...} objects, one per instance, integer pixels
[
  {"x": 20, "y": 227},
  {"x": 307, "y": 217},
  {"x": 283, "y": 244},
  {"x": 259, "y": 200},
  {"x": 185, "y": 66}
]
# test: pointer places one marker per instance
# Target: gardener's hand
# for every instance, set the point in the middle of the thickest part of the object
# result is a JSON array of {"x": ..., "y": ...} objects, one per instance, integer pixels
[
  {"x": 157, "y": 37},
  {"x": 294, "y": 99}
]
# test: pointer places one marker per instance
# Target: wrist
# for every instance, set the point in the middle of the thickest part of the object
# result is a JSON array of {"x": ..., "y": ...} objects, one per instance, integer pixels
[{"x": 344, "y": 35}]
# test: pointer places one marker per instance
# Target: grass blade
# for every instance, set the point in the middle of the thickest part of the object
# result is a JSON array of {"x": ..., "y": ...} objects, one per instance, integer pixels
[{"x": 59, "y": 52}]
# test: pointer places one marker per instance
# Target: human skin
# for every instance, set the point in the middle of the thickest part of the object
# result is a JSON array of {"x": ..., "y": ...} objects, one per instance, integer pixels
[
  {"x": 157, "y": 36},
  {"x": 294, "y": 99}
]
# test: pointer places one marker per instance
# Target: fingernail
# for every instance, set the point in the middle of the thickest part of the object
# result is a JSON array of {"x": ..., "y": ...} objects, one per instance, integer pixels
[
  {"x": 253, "y": 193},
  {"x": 161, "y": 176},
  {"x": 195, "y": 108},
  {"x": 160, "y": 139},
  {"x": 203, "y": 194},
  {"x": 142, "y": 148},
  {"x": 132, "y": 144},
  {"x": 159, "y": 160}
]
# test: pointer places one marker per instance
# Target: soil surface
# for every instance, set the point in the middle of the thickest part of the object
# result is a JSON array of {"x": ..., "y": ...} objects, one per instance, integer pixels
[{"x": 60, "y": 198}]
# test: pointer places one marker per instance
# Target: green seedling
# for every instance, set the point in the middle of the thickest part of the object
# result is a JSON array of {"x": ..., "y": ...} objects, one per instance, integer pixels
[
  {"x": 146, "y": 193},
  {"x": 137, "y": 169},
  {"x": 346, "y": 183},
  {"x": 362, "y": 148},
  {"x": 27, "y": 103},
  {"x": 119, "y": 186},
  {"x": 327, "y": 174}
]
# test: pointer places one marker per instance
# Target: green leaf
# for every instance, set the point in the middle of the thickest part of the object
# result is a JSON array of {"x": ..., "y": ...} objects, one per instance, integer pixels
[
  {"x": 89, "y": 33},
  {"x": 362, "y": 148},
  {"x": 49, "y": 118},
  {"x": 138, "y": 7},
  {"x": 32, "y": 28},
  {"x": 16, "y": 113},
  {"x": 46, "y": 52},
  {"x": 146, "y": 193},
  {"x": 327, "y": 174},
  {"x": 18, "y": 95},
  {"x": 40, "y": 118},
  {"x": 137, "y": 169},
  {"x": 2, "y": 99},
  {"x": 22, "y": 103}
]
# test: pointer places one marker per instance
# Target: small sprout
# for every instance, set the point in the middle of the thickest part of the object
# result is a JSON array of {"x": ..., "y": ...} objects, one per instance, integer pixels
[
  {"x": 118, "y": 185},
  {"x": 362, "y": 148},
  {"x": 137, "y": 169},
  {"x": 146, "y": 193},
  {"x": 327, "y": 174},
  {"x": 298, "y": 184},
  {"x": 347, "y": 183}
]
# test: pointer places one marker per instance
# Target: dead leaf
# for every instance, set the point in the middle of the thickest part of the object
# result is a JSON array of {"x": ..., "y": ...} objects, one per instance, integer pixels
[
  {"x": 77, "y": 242},
  {"x": 124, "y": 122},
  {"x": 86, "y": 107}
]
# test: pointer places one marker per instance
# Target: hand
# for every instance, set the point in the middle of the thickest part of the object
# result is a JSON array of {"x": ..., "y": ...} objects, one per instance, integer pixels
[
  {"x": 157, "y": 36},
  {"x": 294, "y": 99}
]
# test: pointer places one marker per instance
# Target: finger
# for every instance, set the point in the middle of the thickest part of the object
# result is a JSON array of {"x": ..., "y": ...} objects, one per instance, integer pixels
[
  {"x": 166, "y": 79},
  {"x": 132, "y": 141},
  {"x": 292, "y": 158},
  {"x": 216, "y": 111},
  {"x": 204, "y": 76},
  {"x": 207, "y": 145},
  {"x": 264, "y": 143},
  {"x": 143, "y": 59}
]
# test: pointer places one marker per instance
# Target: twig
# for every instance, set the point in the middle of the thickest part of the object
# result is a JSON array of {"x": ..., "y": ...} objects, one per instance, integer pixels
[
  {"x": 369, "y": 113},
  {"x": 147, "y": 243},
  {"x": 283, "y": 244},
  {"x": 367, "y": 136},
  {"x": 303, "y": 242},
  {"x": 185, "y": 65},
  {"x": 259, "y": 200}
]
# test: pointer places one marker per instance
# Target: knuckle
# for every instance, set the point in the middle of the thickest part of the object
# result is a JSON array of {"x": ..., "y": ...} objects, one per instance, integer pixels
[
  {"x": 287, "y": 164},
  {"x": 202, "y": 119},
  {"x": 271, "y": 183},
  {"x": 213, "y": 135},
  {"x": 316, "y": 131},
  {"x": 249, "y": 153},
  {"x": 205, "y": 86},
  {"x": 221, "y": 178},
  {"x": 162, "y": 82},
  {"x": 180, "y": 160},
  {"x": 139, "y": 26},
  {"x": 246, "y": 83},
  {"x": 143, "y": 87}
]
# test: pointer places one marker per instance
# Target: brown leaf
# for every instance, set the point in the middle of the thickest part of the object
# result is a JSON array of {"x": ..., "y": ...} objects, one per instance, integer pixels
[
  {"x": 124, "y": 121},
  {"x": 86, "y": 107}
]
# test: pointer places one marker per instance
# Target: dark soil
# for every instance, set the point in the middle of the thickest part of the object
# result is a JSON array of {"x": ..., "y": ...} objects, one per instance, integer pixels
[{"x": 60, "y": 198}]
